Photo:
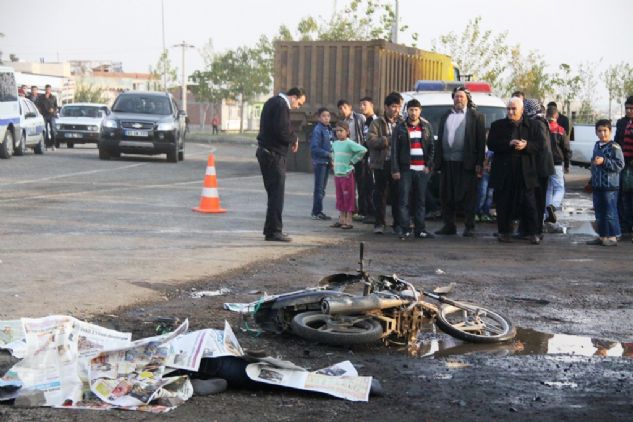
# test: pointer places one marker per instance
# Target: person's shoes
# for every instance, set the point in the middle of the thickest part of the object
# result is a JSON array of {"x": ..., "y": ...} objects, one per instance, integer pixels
[
  {"x": 446, "y": 230},
  {"x": 322, "y": 216},
  {"x": 504, "y": 238},
  {"x": 535, "y": 239},
  {"x": 53, "y": 148},
  {"x": 278, "y": 237},
  {"x": 347, "y": 226},
  {"x": 369, "y": 220},
  {"x": 358, "y": 217},
  {"x": 468, "y": 232},
  {"x": 336, "y": 225},
  {"x": 379, "y": 229},
  {"x": 551, "y": 214},
  {"x": 609, "y": 242},
  {"x": 423, "y": 234},
  {"x": 485, "y": 218},
  {"x": 405, "y": 235},
  {"x": 208, "y": 387},
  {"x": 314, "y": 216},
  {"x": 596, "y": 241}
]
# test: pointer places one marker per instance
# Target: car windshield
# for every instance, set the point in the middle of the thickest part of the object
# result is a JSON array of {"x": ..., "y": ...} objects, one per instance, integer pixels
[
  {"x": 434, "y": 113},
  {"x": 142, "y": 104},
  {"x": 8, "y": 90},
  {"x": 80, "y": 111}
]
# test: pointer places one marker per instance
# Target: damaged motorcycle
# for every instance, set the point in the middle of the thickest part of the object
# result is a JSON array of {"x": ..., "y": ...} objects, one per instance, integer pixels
[{"x": 388, "y": 308}]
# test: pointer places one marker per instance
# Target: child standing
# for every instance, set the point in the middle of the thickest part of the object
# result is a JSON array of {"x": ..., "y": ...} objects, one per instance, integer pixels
[
  {"x": 346, "y": 153},
  {"x": 607, "y": 161},
  {"x": 321, "y": 151}
]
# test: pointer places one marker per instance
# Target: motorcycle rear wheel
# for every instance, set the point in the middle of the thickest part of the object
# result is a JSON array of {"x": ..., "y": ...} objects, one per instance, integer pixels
[
  {"x": 474, "y": 323},
  {"x": 341, "y": 330}
]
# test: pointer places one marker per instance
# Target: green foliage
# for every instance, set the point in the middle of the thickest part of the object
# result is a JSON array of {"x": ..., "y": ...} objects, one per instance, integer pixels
[
  {"x": 360, "y": 20},
  {"x": 164, "y": 66},
  {"x": 477, "y": 52},
  {"x": 618, "y": 79},
  {"x": 528, "y": 74},
  {"x": 566, "y": 86},
  {"x": 89, "y": 94}
]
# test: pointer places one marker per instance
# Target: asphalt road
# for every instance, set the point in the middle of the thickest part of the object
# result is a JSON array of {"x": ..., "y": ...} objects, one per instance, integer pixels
[{"x": 83, "y": 236}]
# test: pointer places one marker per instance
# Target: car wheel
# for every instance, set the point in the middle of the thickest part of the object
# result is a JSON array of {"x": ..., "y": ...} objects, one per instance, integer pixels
[
  {"x": 181, "y": 153},
  {"x": 104, "y": 154},
  {"x": 20, "y": 148},
  {"x": 70, "y": 145},
  {"x": 40, "y": 147},
  {"x": 172, "y": 156},
  {"x": 115, "y": 153},
  {"x": 6, "y": 149}
]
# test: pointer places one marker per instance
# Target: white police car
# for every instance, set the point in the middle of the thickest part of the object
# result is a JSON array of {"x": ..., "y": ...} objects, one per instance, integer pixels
[
  {"x": 9, "y": 112},
  {"x": 436, "y": 98},
  {"x": 31, "y": 132}
]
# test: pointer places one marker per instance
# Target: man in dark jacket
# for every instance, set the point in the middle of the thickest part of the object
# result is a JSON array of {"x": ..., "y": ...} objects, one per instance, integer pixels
[
  {"x": 275, "y": 137},
  {"x": 624, "y": 138},
  {"x": 411, "y": 165},
  {"x": 379, "y": 145},
  {"x": 459, "y": 157},
  {"x": 47, "y": 104},
  {"x": 516, "y": 141}
]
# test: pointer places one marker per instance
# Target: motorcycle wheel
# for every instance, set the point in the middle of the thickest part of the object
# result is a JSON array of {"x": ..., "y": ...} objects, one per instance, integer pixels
[
  {"x": 343, "y": 330},
  {"x": 474, "y": 324}
]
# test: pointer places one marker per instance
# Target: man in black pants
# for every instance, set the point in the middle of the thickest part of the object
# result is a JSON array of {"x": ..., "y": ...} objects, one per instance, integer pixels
[{"x": 275, "y": 137}]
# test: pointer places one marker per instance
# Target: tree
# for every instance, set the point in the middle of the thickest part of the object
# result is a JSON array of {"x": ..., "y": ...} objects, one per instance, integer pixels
[
  {"x": 568, "y": 86},
  {"x": 89, "y": 94},
  {"x": 1, "y": 36},
  {"x": 616, "y": 78},
  {"x": 14, "y": 58},
  {"x": 239, "y": 74},
  {"x": 587, "y": 92},
  {"x": 164, "y": 71},
  {"x": 476, "y": 52},
  {"x": 527, "y": 73},
  {"x": 360, "y": 20}
]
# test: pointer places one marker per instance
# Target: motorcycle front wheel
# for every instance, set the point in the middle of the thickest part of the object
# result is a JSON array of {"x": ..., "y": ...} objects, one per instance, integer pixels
[
  {"x": 341, "y": 330},
  {"x": 474, "y": 323}
]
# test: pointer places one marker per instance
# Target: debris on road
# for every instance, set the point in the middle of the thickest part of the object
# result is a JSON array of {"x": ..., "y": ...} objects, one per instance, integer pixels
[{"x": 221, "y": 292}]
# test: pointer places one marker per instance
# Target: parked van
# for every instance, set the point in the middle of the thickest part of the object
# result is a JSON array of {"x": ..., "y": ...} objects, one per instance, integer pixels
[
  {"x": 582, "y": 146},
  {"x": 9, "y": 112}
]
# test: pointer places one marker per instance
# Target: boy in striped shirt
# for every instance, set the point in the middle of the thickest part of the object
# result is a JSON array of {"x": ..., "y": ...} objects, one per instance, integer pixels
[{"x": 411, "y": 164}]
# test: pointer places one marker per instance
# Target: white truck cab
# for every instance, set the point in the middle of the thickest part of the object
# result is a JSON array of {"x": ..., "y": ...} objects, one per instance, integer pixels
[{"x": 9, "y": 112}]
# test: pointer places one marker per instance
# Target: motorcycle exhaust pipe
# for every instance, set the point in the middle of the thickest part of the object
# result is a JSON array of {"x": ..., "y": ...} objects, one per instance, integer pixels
[{"x": 357, "y": 304}]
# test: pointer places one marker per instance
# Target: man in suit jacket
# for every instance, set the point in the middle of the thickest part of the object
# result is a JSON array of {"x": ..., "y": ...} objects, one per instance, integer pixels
[
  {"x": 516, "y": 141},
  {"x": 275, "y": 137},
  {"x": 459, "y": 157}
]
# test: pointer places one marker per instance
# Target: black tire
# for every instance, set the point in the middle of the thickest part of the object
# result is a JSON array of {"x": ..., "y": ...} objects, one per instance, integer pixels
[
  {"x": 181, "y": 153},
  {"x": 486, "y": 326},
  {"x": 344, "y": 330},
  {"x": 40, "y": 147},
  {"x": 70, "y": 145},
  {"x": 6, "y": 148},
  {"x": 20, "y": 148},
  {"x": 115, "y": 153},
  {"x": 172, "y": 155},
  {"x": 104, "y": 154}
]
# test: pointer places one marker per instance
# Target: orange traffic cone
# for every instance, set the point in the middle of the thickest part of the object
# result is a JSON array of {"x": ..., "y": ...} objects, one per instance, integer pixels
[{"x": 210, "y": 200}]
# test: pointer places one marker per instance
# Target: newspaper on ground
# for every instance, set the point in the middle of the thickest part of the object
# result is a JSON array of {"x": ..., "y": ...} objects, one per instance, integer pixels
[
  {"x": 203, "y": 293},
  {"x": 13, "y": 338},
  {"x": 339, "y": 380}
]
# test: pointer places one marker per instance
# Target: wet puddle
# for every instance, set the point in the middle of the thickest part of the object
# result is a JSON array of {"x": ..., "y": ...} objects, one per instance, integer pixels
[{"x": 527, "y": 342}]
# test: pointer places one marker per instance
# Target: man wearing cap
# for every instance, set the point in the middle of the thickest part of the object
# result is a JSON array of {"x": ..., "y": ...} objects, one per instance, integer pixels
[
  {"x": 275, "y": 137},
  {"x": 459, "y": 159},
  {"x": 515, "y": 141}
]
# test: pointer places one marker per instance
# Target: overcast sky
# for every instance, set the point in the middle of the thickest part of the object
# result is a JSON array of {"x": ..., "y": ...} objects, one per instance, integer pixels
[{"x": 564, "y": 31}]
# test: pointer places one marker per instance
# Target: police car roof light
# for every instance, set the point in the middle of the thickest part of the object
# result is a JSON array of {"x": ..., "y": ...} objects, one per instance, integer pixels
[{"x": 428, "y": 85}]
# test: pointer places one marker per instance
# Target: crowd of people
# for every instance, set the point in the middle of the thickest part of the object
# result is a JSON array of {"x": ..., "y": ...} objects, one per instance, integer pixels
[
  {"x": 517, "y": 166},
  {"x": 46, "y": 103}
]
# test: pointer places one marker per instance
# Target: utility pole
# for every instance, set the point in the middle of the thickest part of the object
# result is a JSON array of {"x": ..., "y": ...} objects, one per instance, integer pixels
[
  {"x": 395, "y": 29},
  {"x": 184, "y": 45},
  {"x": 162, "y": 6}
]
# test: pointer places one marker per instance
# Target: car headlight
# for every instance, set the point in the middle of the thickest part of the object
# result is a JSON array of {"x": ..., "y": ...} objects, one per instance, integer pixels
[
  {"x": 166, "y": 126},
  {"x": 93, "y": 128},
  {"x": 112, "y": 124}
]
